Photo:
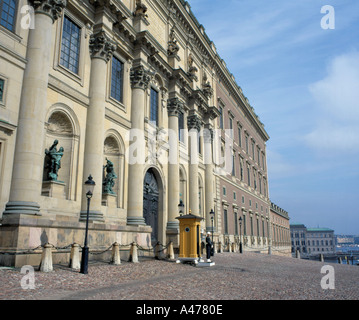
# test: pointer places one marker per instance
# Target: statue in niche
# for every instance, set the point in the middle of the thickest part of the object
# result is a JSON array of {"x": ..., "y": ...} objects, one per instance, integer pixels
[
  {"x": 140, "y": 10},
  {"x": 108, "y": 181},
  {"x": 173, "y": 47},
  {"x": 53, "y": 161},
  {"x": 206, "y": 86},
  {"x": 192, "y": 70}
]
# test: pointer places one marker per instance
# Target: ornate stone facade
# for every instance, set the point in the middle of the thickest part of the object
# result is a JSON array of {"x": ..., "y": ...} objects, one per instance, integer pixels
[{"x": 110, "y": 80}]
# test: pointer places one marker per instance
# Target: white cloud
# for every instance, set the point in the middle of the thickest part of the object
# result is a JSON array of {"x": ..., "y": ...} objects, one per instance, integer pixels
[{"x": 337, "y": 105}]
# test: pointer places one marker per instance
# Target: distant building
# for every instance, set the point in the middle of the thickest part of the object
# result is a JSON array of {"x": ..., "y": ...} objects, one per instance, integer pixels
[
  {"x": 310, "y": 241},
  {"x": 280, "y": 230},
  {"x": 320, "y": 240},
  {"x": 298, "y": 237}
]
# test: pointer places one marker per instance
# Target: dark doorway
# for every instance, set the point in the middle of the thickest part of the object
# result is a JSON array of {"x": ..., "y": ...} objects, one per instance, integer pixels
[{"x": 150, "y": 203}]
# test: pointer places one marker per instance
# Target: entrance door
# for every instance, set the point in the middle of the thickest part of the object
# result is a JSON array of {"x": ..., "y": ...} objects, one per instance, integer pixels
[{"x": 150, "y": 203}]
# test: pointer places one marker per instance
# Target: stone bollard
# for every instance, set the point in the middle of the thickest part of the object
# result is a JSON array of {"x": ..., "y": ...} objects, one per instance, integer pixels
[
  {"x": 170, "y": 254},
  {"x": 340, "y": 260},
  {"x": 297, "y": 254},
  {"x": 220, "y": 247},
  {"x": 46, "y": 259},
  {"x": 157, "y": 251},
  {"x": 75, "y": 257},
  {"x": 229, "y": 247},
  {"x": 321, "y": 257},
  {"x": 116, "y": 258},
  {"x": 133, "y": 253}
]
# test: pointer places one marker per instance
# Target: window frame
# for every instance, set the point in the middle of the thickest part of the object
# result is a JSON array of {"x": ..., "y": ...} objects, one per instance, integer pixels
[
  {"x": 69, "y": 66},
  {"x": 84, "y": 32},
  {"x": 122, "y": 82},
  {"x": 13, "y": 30},
  {"x": 153, "y": 89}
]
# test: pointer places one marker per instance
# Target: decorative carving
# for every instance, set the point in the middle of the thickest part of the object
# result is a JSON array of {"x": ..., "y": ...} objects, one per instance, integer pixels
[
  {"x": 174, "y": 107},
  {"x": 192, "y": 70},
  {"x": 53, "y": 8},
  {"x": 139, "y": 77},
  {"x": 53, "y": 161},
  {"x": 101, "y": 46},
  {"x": 206, "y": 87},
  {"x": 140, "y": 10},
  {"x": 173, "y": 47},
  {"x": 194, "y": 122},
  {"x": 60, "y": 123}
]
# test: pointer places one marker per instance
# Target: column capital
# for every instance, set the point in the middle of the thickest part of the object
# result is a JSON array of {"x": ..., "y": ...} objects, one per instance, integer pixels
[
  {"x": 139, "y": 77},
  {"x": 174, "y": 107},
  {"x": 194, "y": 122},
  {"x": 52, "y": 8},
  {"x": 101, "y": 46}
]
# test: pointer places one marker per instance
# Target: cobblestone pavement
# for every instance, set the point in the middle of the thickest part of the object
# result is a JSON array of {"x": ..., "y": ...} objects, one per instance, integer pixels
[{"x": 247, "y": 276}]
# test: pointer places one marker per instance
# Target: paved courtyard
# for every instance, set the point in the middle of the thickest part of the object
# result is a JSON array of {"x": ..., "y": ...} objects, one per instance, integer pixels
[{"x": 248, "y": 276}]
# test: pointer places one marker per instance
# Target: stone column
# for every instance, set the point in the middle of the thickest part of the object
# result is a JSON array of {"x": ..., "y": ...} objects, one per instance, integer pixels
[
  {"x": 139, "y": 81},
  {"x": 101, "y": 49},
  {"x": 208, "y": 159},
  {"x": 174, "y": 106},
  {"x": 194, "y": 126},
  {"x": 29, "y": 150}
]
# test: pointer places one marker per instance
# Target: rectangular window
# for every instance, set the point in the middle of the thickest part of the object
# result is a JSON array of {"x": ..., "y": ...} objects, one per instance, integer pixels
[
  {"x": 233, "y": 165},
  {"x": 70, "y": 46},
  {"x": 8, "y": 13},
  {"x": 2, "y": 83},
  {"x": 225, "y": 218},
  {"x": 240, "y": 136},
  {"x": 244, "y": 225},
  {"x": 221, "y": 117},
  {"x": 231, "y": 127},
  {"x": 258, "y": 157},
  {"x": 224, "y": 191},
  {"x": 181, "y": 127},
  {"x": 251, "y": 218},
  {"x": 246, "y": 144},
  {"x": 235, "y": 223},
  {"x": 234, "y": 196},
  {"x": 154, "y": 106},
  {"x": 117, "y": 79}
]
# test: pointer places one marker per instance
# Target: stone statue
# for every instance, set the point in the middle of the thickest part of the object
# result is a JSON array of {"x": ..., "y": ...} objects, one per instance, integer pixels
[
  {"x": 173, "y": 47},
  {"x": 192, "y": 70},
  {"x": 108, "y": 181},
  {"x": 207, "y": 88},
  {"x": 140, "y": 10},
  {"x": 53, "y": 161}
]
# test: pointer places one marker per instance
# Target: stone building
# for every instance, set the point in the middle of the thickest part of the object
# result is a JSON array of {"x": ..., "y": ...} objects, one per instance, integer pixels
[
  {"x": 134, "y": 94},
  {"x": 281, "y": 242},
  {"x": 312, "y": 241}
]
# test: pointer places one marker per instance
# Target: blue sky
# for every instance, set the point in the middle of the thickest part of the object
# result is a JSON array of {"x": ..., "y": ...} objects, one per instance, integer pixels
[{"x": 303, "y": 82}]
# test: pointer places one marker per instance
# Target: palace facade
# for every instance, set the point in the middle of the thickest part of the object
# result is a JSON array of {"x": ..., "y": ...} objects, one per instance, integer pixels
[{"x": 134, "y": 94}]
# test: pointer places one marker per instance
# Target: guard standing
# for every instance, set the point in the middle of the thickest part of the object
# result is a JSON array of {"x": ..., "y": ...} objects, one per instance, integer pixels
[{"x": 208, "y": 247}]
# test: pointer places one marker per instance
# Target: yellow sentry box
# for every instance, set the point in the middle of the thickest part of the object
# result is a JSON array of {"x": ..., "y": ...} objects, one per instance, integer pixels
[{"x": 189, "y": 237}]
